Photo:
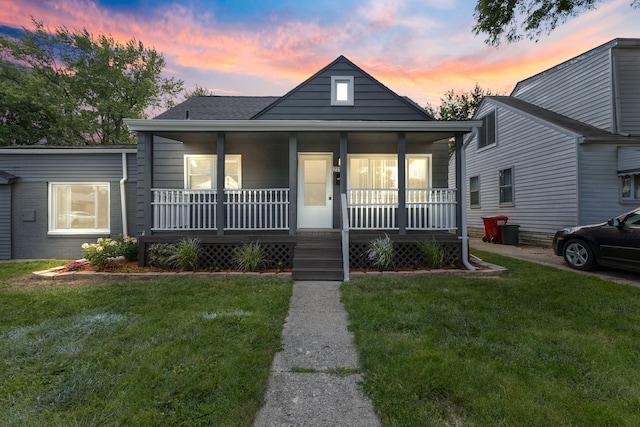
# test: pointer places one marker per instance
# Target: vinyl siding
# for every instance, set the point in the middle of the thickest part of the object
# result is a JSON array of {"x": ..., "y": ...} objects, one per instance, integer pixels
[
  {"x": 5, "y": 221},
  {"x": 627, "y": 73},
  {"x": 599, "y": 184},
  {"x": 545, "y": 191},
  {"x": 30, "y": 239},
  {"x": 372, "y": 101},
  {"x": 580, "y": 89}
]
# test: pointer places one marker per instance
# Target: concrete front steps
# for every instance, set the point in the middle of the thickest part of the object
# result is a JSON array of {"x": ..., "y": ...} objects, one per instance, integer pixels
[{"x": 318, "y": 256}]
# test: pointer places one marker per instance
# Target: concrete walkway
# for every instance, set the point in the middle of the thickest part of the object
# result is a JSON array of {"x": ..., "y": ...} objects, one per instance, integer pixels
[{"x": 306, "y": 388}]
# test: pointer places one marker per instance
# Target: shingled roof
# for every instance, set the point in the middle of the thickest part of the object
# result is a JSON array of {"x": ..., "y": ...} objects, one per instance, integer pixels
[
  {"x": 218, "y": 108},
  {"x": 549, "y": 116}
]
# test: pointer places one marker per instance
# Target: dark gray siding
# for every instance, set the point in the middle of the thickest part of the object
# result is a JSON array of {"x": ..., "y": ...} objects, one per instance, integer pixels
[
  {"x": 627, "y": 73},
  {"x": 5, "y": 221},
  {"x": 30, "y": 238},
  {"x": 372, "y": 100}
]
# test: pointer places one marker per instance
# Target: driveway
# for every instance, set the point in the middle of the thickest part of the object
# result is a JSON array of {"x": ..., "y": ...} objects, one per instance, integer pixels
[{"x": 545, "y": 256}]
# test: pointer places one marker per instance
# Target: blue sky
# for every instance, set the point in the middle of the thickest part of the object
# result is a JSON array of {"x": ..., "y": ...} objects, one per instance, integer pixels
[{"x": 418, "y": 48}]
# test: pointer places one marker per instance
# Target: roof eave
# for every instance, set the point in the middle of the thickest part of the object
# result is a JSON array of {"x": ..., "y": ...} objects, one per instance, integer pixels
[{"x": 143, "y": 125}]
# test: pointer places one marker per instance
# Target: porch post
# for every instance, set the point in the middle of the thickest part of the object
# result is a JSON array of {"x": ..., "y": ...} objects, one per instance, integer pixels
[
  {"x": 293, "y": 183},
  {"x": 402, "y": 183},
  {"x": 220, "y": 222},
  {"x": 459, "y": 186},
  {"x": 145, "y": 145},
  {"x": 343, "y": 162}
]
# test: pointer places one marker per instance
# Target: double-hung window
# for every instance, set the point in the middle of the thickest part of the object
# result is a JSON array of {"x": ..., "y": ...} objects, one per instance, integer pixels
[
  {"x": 474, "y": 192},
  {"x": 380, "y": 172},
  {"x": 630, "y": 187},
  {"x": 200, "y": 172},
  {"x": 506, "y": 187},
  {"x": 79, "y": 208},
  {"x": 487, "y": 133}
]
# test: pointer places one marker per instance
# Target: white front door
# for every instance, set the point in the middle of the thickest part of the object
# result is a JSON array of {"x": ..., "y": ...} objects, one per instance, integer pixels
[{"x": 315, "y": 190}]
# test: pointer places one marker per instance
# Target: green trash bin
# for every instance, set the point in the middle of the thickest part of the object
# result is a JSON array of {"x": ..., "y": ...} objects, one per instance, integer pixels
[{"x": 509, "y": 234}]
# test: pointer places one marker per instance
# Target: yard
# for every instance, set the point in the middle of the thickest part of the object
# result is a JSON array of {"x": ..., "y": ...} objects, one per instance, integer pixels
[
  {"x": 188, "y": 352},
  {"x": 536, "y": 347}
]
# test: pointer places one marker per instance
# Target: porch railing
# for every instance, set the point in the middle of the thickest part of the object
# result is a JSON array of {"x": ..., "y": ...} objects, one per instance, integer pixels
[
  {"x": 184, "y": 209},
  {"x": 426, "y": 209},
  {"x": 263, "y": 209},
  {"x": 268, "y": 209},
  {"x": 247, "y": 209}
]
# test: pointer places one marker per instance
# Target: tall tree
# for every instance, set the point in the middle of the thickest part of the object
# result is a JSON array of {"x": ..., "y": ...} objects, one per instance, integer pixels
[
  {"x": 71, "y": 87},
  {"x": 513, "y": 20},
  {"x": 459, "y": 105},
  {"x": 198, "y": 91}
]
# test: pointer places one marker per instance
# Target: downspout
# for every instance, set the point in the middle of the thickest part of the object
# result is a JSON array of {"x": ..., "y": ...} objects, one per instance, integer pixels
[
  {"x": 123, "y": 195},
  {"x": 464, "y": 235}
]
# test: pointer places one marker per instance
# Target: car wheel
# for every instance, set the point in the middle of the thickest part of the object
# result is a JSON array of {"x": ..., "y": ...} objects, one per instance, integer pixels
[{"x": 577, "y": 254}]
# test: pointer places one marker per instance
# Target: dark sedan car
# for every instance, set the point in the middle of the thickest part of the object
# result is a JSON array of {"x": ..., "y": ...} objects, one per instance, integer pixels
[{"x": 615, "y": 243}]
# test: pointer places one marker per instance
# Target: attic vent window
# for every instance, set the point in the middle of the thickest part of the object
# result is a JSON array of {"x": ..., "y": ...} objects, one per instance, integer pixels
[{"x": 341, "y": 90}]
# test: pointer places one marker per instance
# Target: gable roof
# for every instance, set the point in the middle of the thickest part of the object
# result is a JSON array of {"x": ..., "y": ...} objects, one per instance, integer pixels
[
  {"x": 218, "y": 108},
  {"x": 571, "y": 125},
  {"x": 311, "y": 100}
]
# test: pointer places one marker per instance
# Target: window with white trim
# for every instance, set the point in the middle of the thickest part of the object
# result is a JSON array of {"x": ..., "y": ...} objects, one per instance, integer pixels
[
  {"x": 342, "y": 90},
  {"x": 200, "y": 171},
  {"x": 380, "y": 171},
  {"x": 79, "y": 208},
  {"x": 487, "y": 133},
  {"x": 506, "y": 187},
  {"x": 630, "y": 187},
  {"x": 474, "y": 192}
]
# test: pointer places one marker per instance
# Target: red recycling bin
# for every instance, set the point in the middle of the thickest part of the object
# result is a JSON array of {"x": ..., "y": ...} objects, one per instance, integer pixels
[{"x": 492, "y": 228}]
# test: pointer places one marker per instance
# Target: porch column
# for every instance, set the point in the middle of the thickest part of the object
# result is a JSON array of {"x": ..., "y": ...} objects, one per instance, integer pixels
[
  {"x": 293, "y": 183},
  {"x": 402, "y": 183},
  {"x": 343, "y": 162},
  {"x": 145, "y": 146},
  {"x": 220, "y": 222},
  {"x": 459, "y": 186}
]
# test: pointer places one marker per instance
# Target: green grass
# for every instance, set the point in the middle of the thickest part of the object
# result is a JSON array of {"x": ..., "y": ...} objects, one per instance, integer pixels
[
  {"x": 535, "y": 347},
  {"x": 12, "y": 269},
  {"x": 193, "y": 351}
]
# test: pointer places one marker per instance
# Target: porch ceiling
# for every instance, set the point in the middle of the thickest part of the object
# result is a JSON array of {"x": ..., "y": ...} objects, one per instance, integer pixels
[{"x": 200, "y": 131}]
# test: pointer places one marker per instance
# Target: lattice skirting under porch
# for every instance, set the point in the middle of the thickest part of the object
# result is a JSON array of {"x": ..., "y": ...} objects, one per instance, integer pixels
[{"x": 406, "y": 255}]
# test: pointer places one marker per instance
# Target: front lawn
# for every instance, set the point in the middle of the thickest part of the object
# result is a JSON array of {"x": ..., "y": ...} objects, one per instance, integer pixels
[
  {"x": 194, "y": 351},
  {"x": 535, "y": 347}
]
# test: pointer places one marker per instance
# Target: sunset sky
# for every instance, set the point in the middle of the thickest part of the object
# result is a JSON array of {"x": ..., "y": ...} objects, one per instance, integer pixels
[{"x": 417, "y": 48}]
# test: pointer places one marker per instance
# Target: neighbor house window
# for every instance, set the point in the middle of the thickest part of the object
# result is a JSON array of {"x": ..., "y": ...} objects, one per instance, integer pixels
[
  {"x": 342, "y": 90},
  {"x": 200, "y": 172},
  {"x": 380, "y": 171},
  {"x": 630, "y": 187},
  {"x": 474, "y": 192},
  {"x": 506, "y": 187},
  {"x": 487, "y": 134},
  {"x": 77, "y": 208}
]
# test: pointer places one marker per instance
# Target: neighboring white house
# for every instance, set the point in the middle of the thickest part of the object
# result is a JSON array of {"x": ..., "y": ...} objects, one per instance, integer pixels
[{"x": 563, "y": 149}]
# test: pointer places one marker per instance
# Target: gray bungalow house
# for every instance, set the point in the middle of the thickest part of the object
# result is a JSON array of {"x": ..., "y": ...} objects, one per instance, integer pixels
[
  {"x": 563, "y": 149},
  {"x": 313, "y": 175}
]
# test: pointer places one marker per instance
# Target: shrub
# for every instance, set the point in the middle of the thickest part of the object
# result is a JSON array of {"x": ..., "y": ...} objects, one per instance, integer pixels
[
  {"x": 160, "y": 254},
  {"x": 100, "y": 253},
  {"x": 186, "y": 253},
  {"x": 128, "y": 247},
  {"x": 381, "y": 252},
  {"x": 249, "y": 256},
  {"x": 432, "y": 252}
]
